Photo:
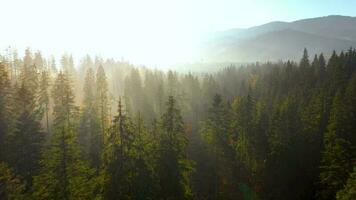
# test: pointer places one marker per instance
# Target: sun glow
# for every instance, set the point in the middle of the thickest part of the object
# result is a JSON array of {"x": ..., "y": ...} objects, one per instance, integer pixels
[
  {"x": 143, "y": 32},
  {"x": 151, "y": 32}
]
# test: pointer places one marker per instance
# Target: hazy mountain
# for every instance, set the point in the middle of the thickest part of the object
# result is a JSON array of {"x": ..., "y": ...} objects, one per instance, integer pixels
[{"x": 282, "y": 40}]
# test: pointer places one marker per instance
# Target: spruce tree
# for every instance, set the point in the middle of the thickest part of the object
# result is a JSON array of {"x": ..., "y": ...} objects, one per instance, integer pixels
[
  {"x": 63, "y": 174},
  {"x": 337, "y": 155},
  {"x": 5, "y": 109},
  {"x": 44, "y": 98},
  {"x": 118, "y": 162},
  {"x": 89, "y": 134},
  {"x": 321, "y": 72},
  {"x": 134, "y": 95},
  {"x": 145, "y": 184},
  {"x": 216, "y": 133},
  {"x": 174, "y": 167},
  {"x": 304, "y": 62},
  {"x": 102, "y": 99},
  {"x": 27, "y": 139}
]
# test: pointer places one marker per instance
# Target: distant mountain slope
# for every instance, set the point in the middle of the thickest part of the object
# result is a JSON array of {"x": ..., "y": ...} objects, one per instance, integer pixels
[
  {"x": 335, "y": 26},
  {"x": 282, "y": 40}
]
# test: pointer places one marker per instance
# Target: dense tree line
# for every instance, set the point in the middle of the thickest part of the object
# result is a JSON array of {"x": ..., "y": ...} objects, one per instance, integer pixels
[{"x": 110, "y": 130}]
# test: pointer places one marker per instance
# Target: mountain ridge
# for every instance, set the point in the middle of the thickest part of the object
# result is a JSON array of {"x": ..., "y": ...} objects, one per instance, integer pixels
[{"x": 279, "y": 40}]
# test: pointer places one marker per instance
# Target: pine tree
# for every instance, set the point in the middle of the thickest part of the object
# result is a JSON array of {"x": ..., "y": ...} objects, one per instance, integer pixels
[
  {"x": 102, "y": 98},
  {"x": 350, "y": 104},
  {"x": 335, "y": 74},
  {"x": 133, "y": 92},
  {"x": 5, "y": 109},
  {"x": 145, "y": 183},
  {"x": 313, "y": 118},
  {"x": 63, "y": 174},
  {"x": 349, "y": 190},
  {"x": 304, "y": 62},
  {"x": 27, "y": 139},
  {"x": 306, "y": 73},
  {"x": 249, "y": 138},
  {"x": 29, "y": 76},
  {"x": 44, "y": 98},
  {"x": 336, "y": 157},
  {"x": 209, "y": 89},
  {"x": 172, "y": 83},
  {"x": 321, "y": 71},
  {"x": 118, "y": 162},
  {"x": 216, "y": 133},
  {"x": 284, "y": 145},
  {"x": 174, "y": 167},
  {"x": 89, "y": 135}
]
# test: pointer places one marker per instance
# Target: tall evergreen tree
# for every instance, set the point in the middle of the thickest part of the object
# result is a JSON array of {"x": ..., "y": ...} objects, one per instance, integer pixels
[
  {"x": 249, "y": 138},
  {"x": 5, "y": 109},
  {"x": 321, "y": 71},
  {"x": 89, "y": 134},
  {"x": 337, "y": 155},
  {"x": 63, "y": 174},
  {"x": 102, "y": 98},
  {"x": 145, "y": 184},
  {"x": 27, "y": 139},
  {"x": 44, "y": 98},
  {"x": 304, "y": 62},
  {"x": 174, "y": 167},
  {"x": 134, "y": 95},
  {"x": 118, "y": 162},
  {"x": 215, "y": 132}
]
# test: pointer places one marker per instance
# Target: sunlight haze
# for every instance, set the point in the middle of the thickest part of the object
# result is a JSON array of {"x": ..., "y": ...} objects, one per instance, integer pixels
[
  {"x": 178, "y": 100},
  {"x": 143, "y": 32}
]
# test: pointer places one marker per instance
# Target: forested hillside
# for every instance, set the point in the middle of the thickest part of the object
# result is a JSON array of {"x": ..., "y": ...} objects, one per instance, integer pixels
[
  {"x": 278, "y": 40},
  {"x": 110, "y": 130}
]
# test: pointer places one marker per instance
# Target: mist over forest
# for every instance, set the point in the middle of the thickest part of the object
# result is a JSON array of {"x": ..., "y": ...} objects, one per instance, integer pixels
[
  {"x": 107, "y": 129},
  {"x": 178, "y": 100}
]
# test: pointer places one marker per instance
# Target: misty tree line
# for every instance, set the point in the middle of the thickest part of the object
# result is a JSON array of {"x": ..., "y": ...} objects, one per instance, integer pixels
[{"x": 110, "y": 130}]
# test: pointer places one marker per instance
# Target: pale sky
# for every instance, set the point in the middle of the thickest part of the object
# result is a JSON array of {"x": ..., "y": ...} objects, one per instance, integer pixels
[{"x": 155, "y": 32}]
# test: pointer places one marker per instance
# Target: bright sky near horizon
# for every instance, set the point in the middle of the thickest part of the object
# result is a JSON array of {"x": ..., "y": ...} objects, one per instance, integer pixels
[{"x": 153, "y": 32}]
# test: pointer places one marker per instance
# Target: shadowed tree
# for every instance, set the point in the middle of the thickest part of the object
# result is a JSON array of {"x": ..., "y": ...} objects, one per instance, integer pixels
[{"x": 63, "y": 174}]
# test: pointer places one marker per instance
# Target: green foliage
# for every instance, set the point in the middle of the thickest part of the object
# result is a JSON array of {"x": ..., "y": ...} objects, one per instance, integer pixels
[
  {"x": 130, "y": 160},
  {"x": 102, "y": 98},
  {"x": 25, "y": 146},
  {"x": 5, "y": 109},
  {"x": 336, "y": 161},
  {"x": 44, "y": 98},
  {"x": 216, "y": 133},
  {"x": 340, "y": 142},
  {"x": 90, "y": 135},
  {"x": 349, "y": 191},
  {"x": 174, "y": 167},
  {"x": 278, "y": 130},
  {"x": 10, "y": 186},
  {"x": 63, "y": 174},
  {"x": 26, "y": 140}
]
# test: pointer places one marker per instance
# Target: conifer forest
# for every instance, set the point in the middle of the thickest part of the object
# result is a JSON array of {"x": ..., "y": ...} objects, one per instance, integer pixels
[
  {"x": 177, "y": 100},
  {"x": 111, "y": 130}
]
